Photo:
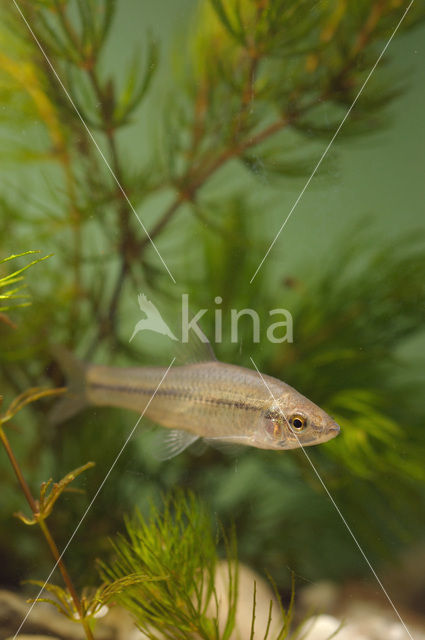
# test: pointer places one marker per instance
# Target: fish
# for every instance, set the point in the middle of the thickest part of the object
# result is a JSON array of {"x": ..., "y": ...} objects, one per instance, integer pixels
[{"x": 209, "y": 400}]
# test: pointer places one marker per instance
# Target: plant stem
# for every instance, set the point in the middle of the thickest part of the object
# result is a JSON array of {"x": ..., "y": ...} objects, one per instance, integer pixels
[
  {"x": 368, "y": 28},
  {"x": 363, "y": 39},
  {"x": 23, "y": 483},
  {"x": 203, "y": 176},
  {"x": 66, "y": 577},
  {"x": 46, "y": 532},
  {"x": 124, "y": 211},
  {"x": 195, "y": 175}
]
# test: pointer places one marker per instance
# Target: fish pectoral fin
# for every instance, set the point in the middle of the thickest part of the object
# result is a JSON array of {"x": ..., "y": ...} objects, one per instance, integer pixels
[{"x": 174, "y": 442}]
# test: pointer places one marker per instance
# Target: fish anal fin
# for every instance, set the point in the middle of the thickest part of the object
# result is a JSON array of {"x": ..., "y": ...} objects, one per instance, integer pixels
[{"x": 228, "y": 444}]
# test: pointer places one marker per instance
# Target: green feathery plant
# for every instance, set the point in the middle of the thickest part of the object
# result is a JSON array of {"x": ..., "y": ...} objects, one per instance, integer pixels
[
  {"x": 175, "y": 549},
  {"x": 11, "y": 296},
  {"x": 261, "y": 85}
]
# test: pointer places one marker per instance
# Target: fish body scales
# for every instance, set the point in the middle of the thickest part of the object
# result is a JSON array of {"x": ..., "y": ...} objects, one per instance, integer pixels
[{"x": 208, "y": 399}]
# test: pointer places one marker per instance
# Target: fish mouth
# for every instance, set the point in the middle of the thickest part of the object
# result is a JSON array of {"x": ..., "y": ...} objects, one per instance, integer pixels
[
  {"x": 331, "y": 432},
  {"x": 334, "y": 429}
]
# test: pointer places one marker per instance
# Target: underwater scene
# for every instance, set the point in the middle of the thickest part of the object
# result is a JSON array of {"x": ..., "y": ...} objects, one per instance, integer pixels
[{"x": 212, "y": 313}]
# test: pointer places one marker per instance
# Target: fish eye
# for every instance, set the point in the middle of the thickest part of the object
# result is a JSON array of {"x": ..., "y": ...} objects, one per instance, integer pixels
[
  {"x": 298, "y": 422},
  {"x": 274, "y": 422}
]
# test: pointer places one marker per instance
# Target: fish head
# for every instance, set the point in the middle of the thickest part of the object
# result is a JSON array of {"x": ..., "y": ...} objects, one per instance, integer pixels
[{"x": 293, "y": 421}]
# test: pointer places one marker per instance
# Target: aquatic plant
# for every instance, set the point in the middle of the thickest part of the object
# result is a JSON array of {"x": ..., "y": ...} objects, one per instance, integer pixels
[
  {"x": 11, "y": 296},
  {"x": 248, "y": 101},
  {"x": 42, "y": 507},
  {"x": 172, "y": 555}
]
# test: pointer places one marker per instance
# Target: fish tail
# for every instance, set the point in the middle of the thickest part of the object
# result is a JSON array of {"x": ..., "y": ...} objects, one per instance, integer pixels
[{"x": 75, "y": 399}]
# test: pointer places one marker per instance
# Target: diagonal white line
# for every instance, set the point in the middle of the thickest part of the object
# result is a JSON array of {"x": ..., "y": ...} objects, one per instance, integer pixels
[
  {"x": 338, "y": 510},
  {"x": 332, "y": 140},
  {"x": 93, "y": 139},
  {"x": 94, "y": 498}
]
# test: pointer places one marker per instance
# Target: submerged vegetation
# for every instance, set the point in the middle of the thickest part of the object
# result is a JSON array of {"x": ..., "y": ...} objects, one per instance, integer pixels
[
  {"x": 172, "y": 557},
  {"x": 248, "y": 104},
  {"x": 49, "y": 492}
]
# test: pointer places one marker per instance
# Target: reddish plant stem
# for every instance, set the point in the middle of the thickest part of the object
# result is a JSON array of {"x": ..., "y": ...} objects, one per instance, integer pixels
[
  {"x": 198, "y": 180},
  {"x": 368, "y": 28},
  {"x": 46, "y": 532},
  {"x": 363, "y": 39},
  {"x": 23, "y": 483},
  {"x": 124, "y": 214},
  {"x": 193, "y": 180}
]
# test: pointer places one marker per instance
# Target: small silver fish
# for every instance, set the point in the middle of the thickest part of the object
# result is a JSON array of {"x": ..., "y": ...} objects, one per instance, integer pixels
[{"x": 212, "y": 400}]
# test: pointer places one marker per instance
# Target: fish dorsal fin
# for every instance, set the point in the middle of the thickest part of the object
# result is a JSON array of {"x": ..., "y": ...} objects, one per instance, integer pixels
[
  {"x": 171, "y": 443},
  {"x": 197, "y": 349}
]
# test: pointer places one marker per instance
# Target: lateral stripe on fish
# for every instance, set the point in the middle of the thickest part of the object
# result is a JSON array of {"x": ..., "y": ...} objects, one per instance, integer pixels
[{"x": 171, "y": 392}]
